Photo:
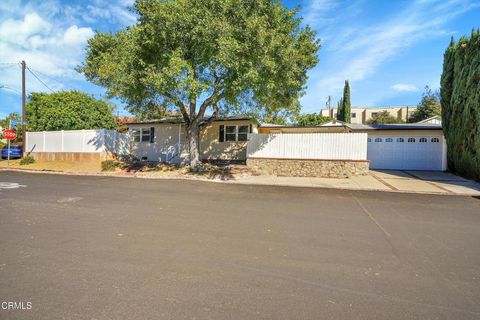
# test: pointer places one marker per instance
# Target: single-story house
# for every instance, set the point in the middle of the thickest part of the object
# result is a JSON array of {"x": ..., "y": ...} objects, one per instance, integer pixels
[
  {"x": 410, "y": 146},
  {"x": 164, "y": 140}
]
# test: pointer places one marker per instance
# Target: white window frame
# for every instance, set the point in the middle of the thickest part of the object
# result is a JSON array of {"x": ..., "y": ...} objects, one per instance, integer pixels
[
  {"x": 237, "y": 128},
  {"x": 139, "y": 132}
]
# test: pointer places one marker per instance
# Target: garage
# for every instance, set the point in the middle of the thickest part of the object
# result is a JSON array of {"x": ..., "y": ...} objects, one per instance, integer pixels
[{"x": 407, "y": 147}]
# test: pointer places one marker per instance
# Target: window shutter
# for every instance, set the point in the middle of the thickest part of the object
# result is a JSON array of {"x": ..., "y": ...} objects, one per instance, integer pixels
[
  {"x": 152, "y": 134},
  {"x": 221, "y": 133},
  {"x": 250, "y": 128}
]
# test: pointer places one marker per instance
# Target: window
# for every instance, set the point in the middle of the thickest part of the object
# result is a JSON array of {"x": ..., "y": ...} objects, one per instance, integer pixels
[
  {"x": 242, "y": 133},
  {"x": 411, "y": 140},
  {"x": 435, "y": 140},
  {"x": 389, "y": 140},
  {"x": 136, "y": 135},
  {"x": 374, "y": 114},
  {"x": 230, "y": 133},
  {"x": 354, "y": 114},
  {"x": 400, "y": 140},
  {"x": 423, "y": 140},
  {"x": 378, "y": 139},
  {"x": 143, "y": 134},
  {"x": 233, "y": 133},
  {"x": 369, "y": 139}
]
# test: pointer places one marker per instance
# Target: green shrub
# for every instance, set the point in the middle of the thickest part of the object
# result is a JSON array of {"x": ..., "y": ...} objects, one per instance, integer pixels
[
  {"x": 109, "y": 165},
  {"x": 27, "y": 160}
]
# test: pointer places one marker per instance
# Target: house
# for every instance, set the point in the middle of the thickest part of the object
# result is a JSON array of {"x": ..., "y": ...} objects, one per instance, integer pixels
[
  {"x": 412, "y": 146},
  {"x": 362, "y": 115},
  {"x": 164, "y": 140}
]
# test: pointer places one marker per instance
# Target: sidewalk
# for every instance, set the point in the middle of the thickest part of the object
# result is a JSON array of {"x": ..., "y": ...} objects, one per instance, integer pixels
[{"x": 394, "y": 181}]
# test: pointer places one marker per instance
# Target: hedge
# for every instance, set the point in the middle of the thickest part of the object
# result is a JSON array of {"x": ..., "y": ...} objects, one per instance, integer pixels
[{"x": 460, "y": 100}]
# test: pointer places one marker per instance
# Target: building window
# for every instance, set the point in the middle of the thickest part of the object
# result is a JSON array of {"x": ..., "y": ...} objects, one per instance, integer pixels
[
  {"x": 242, "y": 133},
  {"x": 369, "y": 139},
  {"x": 400, "y": 140},
  {"x": 136, "y": 135},
  {"x": 378, "y": 139},
  {"x": 435, "y": 140},
  {"x": 230, "y": 133},
  {"x": 423, "y": 140},
  {"x": 374, "y": 114},
  {"x": 233, "y": 133},
  {"x": 411, "y": 140},
  {"x": 354, "y": 114},
  {"x": 143, "y": 134},
  {"x": 389, "y": 140}
]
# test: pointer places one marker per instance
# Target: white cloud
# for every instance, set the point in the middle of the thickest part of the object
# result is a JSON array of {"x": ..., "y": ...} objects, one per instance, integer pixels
[
  {"x": 49, "y": 35},
  {"x": 75, "y": 35},
  {"x": 358, "y": 51},
  {"x": 404, "y": 87}
]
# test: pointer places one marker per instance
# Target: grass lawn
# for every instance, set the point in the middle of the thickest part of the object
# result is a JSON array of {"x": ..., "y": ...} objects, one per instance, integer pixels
[{"x": 65, "y": 166}]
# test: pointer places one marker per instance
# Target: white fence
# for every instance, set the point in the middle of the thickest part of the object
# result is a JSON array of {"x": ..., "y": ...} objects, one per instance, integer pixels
[
  {"x": 78, "y": 141},
  {"x": 325, "y": 146}
]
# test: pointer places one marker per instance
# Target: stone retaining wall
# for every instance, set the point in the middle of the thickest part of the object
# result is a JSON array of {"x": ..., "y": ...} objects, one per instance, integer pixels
[
  {"x": 309, "y": 168},
  {"x": 71, "y": 156}
]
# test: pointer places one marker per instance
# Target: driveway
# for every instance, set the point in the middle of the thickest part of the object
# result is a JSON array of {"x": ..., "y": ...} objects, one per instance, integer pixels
[
  {"x": 114, "y": 248},
  {"x": 432, "y": 182}
]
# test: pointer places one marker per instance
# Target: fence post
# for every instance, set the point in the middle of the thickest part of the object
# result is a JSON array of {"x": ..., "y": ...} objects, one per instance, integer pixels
[{"x": 44, "y": 141}]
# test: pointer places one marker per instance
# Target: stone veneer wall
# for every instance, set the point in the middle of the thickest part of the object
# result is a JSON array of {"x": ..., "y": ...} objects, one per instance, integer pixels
[
  {"x": 71, "y": 156},
  {"x": 309, "y": 168}
]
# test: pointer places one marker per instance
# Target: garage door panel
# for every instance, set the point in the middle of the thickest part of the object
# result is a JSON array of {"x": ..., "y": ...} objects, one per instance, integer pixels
[{"x": 397, "y": 155}]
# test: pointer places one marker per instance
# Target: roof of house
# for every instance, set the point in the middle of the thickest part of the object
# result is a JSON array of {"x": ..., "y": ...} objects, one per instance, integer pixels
[
  {"x": 396, "y": 126},
  {"x": 428, "y": 120},
  {"x": 178, "y": 120}
]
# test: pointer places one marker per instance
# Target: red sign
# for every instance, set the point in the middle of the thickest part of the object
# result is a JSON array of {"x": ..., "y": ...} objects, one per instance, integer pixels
[{"x": 9, "y": 134}]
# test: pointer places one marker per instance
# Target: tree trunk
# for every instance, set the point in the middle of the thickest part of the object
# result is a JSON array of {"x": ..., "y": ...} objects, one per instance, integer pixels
[{"x": 193, "y": 136}]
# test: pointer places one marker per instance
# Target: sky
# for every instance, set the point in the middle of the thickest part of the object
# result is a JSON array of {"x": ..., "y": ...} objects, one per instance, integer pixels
[{"x": 389, "y": 50}]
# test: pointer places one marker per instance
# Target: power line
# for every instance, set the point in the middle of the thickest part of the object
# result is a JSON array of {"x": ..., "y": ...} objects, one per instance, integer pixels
[
  {"x": 39, "y": 79},
  {"x": 9, "y": 88}
]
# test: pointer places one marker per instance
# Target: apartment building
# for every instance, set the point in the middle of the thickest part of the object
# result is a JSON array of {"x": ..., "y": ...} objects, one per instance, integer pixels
[{"x": 361, "y": 115}]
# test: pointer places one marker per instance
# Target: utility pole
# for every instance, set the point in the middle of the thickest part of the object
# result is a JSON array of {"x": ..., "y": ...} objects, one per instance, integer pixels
[
  {"x": 24, "y": 117},
  {"x": 330, "y": 107}
]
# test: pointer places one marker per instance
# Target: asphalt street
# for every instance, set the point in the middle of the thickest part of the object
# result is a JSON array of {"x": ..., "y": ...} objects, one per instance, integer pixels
[{"x": 78, "y": 247}]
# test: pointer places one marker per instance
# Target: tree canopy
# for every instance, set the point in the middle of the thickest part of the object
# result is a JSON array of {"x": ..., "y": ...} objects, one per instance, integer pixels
[
  {"x": 428, "y": 107},
  {"x": 310, "y": 120},
  {"x": 383, "y": 117},
  {"x": 68, "y": 110},
  {"x": 201, "y": 56}
]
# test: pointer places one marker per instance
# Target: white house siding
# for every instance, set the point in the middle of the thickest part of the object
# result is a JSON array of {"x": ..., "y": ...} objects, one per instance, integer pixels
[{"x": 169, "y": 144}]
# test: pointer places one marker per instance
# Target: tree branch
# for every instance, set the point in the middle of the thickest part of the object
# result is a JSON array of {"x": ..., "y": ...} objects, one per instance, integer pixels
[
  {"x": 212, "y": 100},
  {"x": 179, "y": 104}
]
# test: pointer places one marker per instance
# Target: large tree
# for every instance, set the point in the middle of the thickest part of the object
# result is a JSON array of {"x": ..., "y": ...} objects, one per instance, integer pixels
[
  {"x": 428, "y": 107},
  {"x": 68, "y": 110},
  {"x": 310, "y": 120},
  {"x": 383, "y": 117},
  {"x": 460, "y": 100},
  {"x": 202, "y": 56}
]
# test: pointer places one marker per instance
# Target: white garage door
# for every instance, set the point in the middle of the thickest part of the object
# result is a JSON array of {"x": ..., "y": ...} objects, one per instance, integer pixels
[{"x": 405, "y": 152}]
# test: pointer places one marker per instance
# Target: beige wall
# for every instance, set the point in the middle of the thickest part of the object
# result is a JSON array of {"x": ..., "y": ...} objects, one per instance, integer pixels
[
  {"x": 212, "y": 149},
  {"x": 362, "y": 115}
]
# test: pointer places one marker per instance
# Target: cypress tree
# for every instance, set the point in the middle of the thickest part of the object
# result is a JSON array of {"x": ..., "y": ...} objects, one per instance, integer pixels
[
  {"x": 460, "y": 99},
  {"x": 347, "y": 108},
  {"x": 340, "y": 110}
]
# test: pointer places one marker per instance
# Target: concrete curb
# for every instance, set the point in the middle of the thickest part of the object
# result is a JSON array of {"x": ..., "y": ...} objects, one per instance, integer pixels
[{"x": 137, "y": 176}]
